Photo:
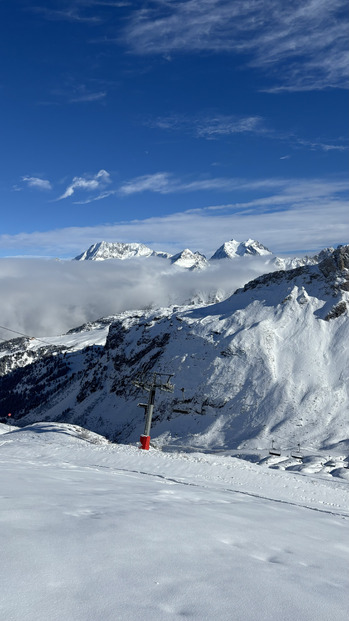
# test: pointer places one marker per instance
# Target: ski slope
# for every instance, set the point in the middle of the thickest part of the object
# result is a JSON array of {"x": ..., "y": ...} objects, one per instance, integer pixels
[{"x": 93, "y": 531}]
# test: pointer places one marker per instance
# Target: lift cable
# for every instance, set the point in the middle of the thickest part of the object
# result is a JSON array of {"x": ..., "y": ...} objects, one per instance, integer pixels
[{"x": 22, "y": 334}]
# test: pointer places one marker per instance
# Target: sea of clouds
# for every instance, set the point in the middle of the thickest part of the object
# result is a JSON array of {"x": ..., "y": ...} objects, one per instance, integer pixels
[{"x": 48, "y": 297}]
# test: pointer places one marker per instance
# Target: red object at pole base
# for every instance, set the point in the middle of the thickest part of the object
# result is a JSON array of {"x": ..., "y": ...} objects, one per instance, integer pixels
[{"x": 145, "y": 442}]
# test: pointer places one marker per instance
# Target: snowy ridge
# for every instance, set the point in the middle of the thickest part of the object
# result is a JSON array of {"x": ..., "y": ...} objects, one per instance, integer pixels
[
  {"x": 107, "y": 250},
  {"x": 190, "y": 260},
  {"x": 187, "y": 259},
  {"x": 291, "y": 263},
  {"x": 268, "y": 363},
  {"x": 233, "y": 249}
]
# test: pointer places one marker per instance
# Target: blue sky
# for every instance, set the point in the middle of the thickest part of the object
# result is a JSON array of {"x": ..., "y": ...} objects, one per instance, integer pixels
[{"x": 173, "y": 123}]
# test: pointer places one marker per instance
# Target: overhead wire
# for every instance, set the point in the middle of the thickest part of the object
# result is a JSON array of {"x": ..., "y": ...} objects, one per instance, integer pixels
[{"x": 22, "y": 334}]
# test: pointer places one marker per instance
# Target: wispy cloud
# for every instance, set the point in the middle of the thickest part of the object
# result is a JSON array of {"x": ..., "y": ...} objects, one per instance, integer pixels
[
  {"x": 111, "y": 3},
  {"x": 73, "y": 92},
  {"x": 302, "y": 43},
  {"x": 306, "y": 194},
  {"x": 225, "y": 126},
  {"x": 69, "y": 14},
  {"x": 77, "y": 10},
  {"x": 87, "y": 183},
  {"x": 286, "y": 215},
  {"x": 322, "y": 146},
  {"x": 99, "y": 197},
  {"x": 88, "y": 97},
  {"x": 211, "y": 126},
  {"x": 37, "y": 182},
  {"x": 158, "y": 182},
  {"x": 167, "y": 183},
  {"x": 216, "y": 126}
]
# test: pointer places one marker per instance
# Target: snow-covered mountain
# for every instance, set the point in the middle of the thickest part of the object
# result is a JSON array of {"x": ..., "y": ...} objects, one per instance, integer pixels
[
  {"x": 293, "y": 262},
  {"x": 189, "y": 260},
  {"x": 269, "y": 362},
  {"x": 233, "y": 249},
  {"x": 107, "y": 250}
]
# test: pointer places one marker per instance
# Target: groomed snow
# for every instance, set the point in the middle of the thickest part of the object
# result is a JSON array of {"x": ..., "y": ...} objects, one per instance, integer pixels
[{"x": 94, "y": 531}]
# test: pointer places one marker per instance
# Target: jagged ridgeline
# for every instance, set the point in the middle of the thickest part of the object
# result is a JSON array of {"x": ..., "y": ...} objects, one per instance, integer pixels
[
  {"x": 230, "y": 250},
  {"x": 269, "y": 361}
]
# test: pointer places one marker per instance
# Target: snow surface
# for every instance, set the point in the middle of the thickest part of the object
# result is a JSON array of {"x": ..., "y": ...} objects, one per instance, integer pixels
[
  {"x": 93, "y": 531},
  {"x": 190, "y": 260},
  {"x": 106, "y": 250},
  {"x": 233, "y": 249}
]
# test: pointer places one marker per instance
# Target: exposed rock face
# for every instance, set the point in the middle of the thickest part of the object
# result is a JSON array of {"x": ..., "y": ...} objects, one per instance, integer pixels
[
  {"x": 338, "y": 260},
  {"x": 336, "y": 311}
]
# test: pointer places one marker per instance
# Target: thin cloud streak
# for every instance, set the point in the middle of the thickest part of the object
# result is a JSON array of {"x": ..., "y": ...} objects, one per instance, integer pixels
[
  {"x": 307, "y": 39},
  {"x": 87, "y": 97},
  {"x": 211, "y": 126},
  {"x": 70, "y": 15},
  {"x": 216, "y": 126},
  {"x": 167, "y": 183}
]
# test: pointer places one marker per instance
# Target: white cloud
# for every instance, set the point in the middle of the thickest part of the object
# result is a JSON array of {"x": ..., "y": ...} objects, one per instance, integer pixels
[
  {"x": 158, "y": 182},
  {"x": 211, "y": 126},
  {"x": 87, "y": 183},
  {"x": 322, "y": 146},
  {"x": 305, "y": 40},
  {"x": 226, "y": 125},
  {"x": 99, "y": 197},
  {"x": 167, "y": 183},
  {"x": 37, "y": 182},
  {"x": 285, "y": 215},
  {"x": 69, "y": 293}
]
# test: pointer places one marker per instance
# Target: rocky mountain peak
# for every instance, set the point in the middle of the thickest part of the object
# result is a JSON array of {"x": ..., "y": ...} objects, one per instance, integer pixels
[
  {"x": 188, "y": 259},
  {"x": 233, "y": 249},
  {"x": 118, "y": 250}
]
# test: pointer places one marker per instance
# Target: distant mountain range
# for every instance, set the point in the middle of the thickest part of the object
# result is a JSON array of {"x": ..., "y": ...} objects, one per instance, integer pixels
[
  {"x": 187, "y": 259},
  {"x": 269, "y": 362}
]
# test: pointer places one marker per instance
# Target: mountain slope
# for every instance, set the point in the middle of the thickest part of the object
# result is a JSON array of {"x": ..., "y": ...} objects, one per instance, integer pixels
[
  {"x": 269, "y": 362},
  {"x": 190, "y": 260}
]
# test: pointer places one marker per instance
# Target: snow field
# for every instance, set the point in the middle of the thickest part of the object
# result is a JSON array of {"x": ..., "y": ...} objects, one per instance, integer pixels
[{"x": 93, "y": 531}]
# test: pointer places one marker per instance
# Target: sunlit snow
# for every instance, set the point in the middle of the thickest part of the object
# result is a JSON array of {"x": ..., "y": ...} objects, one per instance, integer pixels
[{"x": 95, "y": 531}]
